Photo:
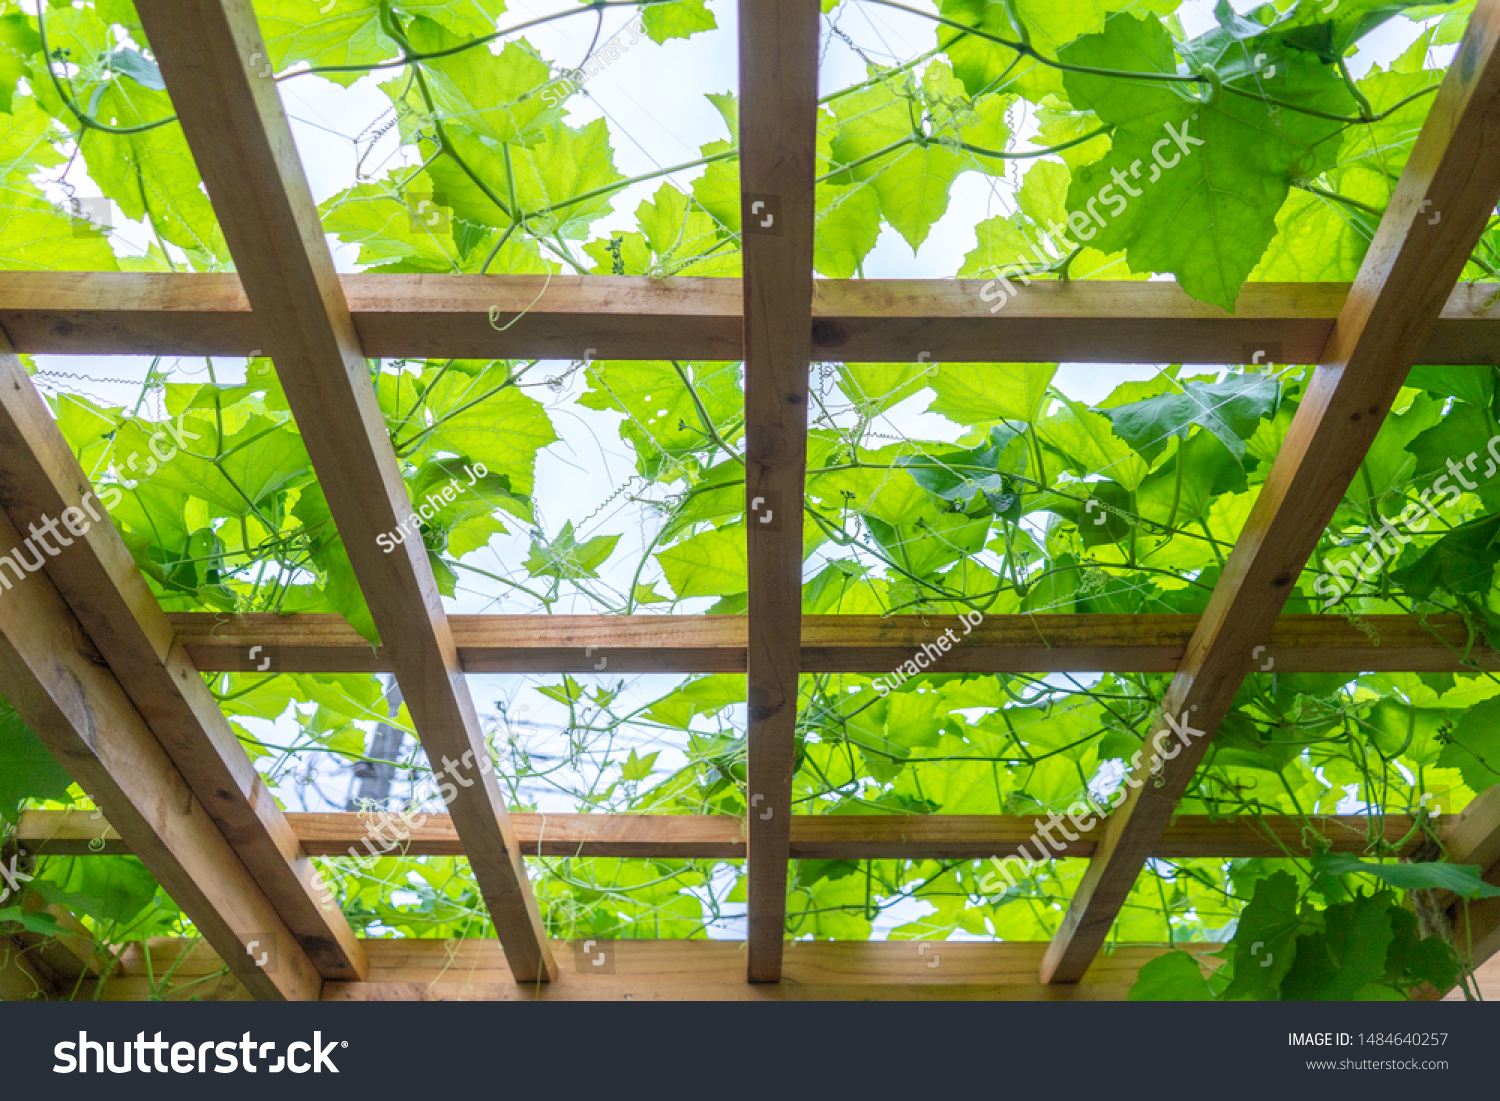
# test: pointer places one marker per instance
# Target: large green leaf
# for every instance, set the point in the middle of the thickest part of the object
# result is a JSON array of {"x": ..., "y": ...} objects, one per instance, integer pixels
[
  {"x": 27, "y": 768},
  {"x": 1211, "y": 175}
]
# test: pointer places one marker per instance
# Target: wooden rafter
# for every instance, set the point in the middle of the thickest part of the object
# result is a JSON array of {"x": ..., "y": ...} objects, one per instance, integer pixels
[
  {"x": 1407, "y": 275},
  {"x": 39, "y": 478},
  {"x": 722, "y": 837},
  {"x": 56, "y": 681},
  {"x": 838, "y": 644},
  {"x": 630, "y": 317},
  {"x": 242, "y": 142},
  {"x": 778, "y": 137}
]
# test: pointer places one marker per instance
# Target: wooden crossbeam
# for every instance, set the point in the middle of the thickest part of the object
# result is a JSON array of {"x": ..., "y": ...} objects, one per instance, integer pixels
[
  {"x": 242, "y": 142},
  {"x": 58, "y": 683},
  {"x": 635, "y": 317},
  {"x": 94, "y": 572},
  {"x": 778, "y": 140},
  {"x": 722, "y": 837},
  {"x": 1407, "y": 275},
  {"x": 692, "y": 970},
  {"x": 696, "y": 970},
  {"x": 834, "y": 644}
]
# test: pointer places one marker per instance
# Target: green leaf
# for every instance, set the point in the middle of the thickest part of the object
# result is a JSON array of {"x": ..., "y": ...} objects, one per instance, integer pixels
[
  {"x": 478, "y": 412},
  {"x": 340, "y": 585},
  {"x": 1413, "y": 960},
  {"x": 1462, "y": 879},
  {"x": 677, "y": 20},
  {"x": 107, "y": 888},
  {"x": 912, "y": 181},
  {"x": 1347, "y": 956},
  {"x": 1329, "y": 30},
  {"x": 18, "y": 41},
  {"x": 349, "y": 33},
  {"x": 976, "y": 393},
  {"x": 1474, "y": 746},
  {"x": 1460, "y": 562},
  {"x": 137, "y": 67},
  {"x": 1174, "y": 977},
  {"x": 552, "y": 176},
  {"x": 637, "y": 768},
  {"x": 27, "y": 768},
  {"x": 984, "y": 65},
  {"x": 1228, "y": 409},
  {"x": 40, "y": 922},
  {"x": 36, "y": 236},
  {"x": 711, "y": 563},
  {"x": 1265, "y": 943},
  {"x": 568, "y": 559},
  {"x": 495, "y": 97},
  {"x": 1211, "y": 176}
]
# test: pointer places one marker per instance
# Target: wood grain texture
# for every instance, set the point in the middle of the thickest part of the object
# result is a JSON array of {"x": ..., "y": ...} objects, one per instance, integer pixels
[
  {"x": 635, "y": 317},
  {"x": 778, "y": 52},
  {"x": 59, "y": 684},
  {"x": 40, "y": 478},
  {"x": 1407, "y": 275},
  {"x": 243, "y": 146},
  {"x": 835, "y": 644},
  {"x": 676, "y": 970},
  {"x": 721, "y": 837}
]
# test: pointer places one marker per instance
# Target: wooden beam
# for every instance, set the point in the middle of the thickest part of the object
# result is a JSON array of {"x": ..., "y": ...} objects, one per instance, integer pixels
[
  {"x": 243, "y": 147},
  {"x": 778, "y": 142},
  {"x": 70, "y": 957},
  {"x": 630, "y": 317},
  {"x": 1474, "y": 838},
  {"x": 693, "y": 970},
  {"x": 722, "y": 837},
  {"x": 834, "y": 644},
  {"x": 51, "y": 674},
  {"x": 1407, "y": 275},
  {"x": 23, "y": 977},
  {"x": 41, "y": 478}
]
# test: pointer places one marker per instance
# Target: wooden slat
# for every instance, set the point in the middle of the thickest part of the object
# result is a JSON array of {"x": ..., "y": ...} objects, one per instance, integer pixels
[
  {"x": 629, "y": 317},
  {"x": 40, "y": 478},
  {"x": 694, "y": 970},
  {"x": 70, "y": 956},
  {"x": 1474, "y": 838},
  {"x": 835, "y": 644},
  {"x": 722, "y": 837},
  {"x": 24, "y": 977},
  {"x": 53, "y": 677},
  {"x": 778, "y": 139},
  {"x": 243, "y": 146},
  {"x": 1406, "y": 277}
]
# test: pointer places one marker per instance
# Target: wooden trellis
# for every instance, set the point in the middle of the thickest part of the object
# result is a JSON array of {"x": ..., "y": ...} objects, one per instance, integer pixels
[{"x": 112, "y": 684}]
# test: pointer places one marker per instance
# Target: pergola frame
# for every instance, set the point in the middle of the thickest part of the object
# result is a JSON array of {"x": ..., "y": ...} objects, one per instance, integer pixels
[{"x": 112, "y": 684}]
